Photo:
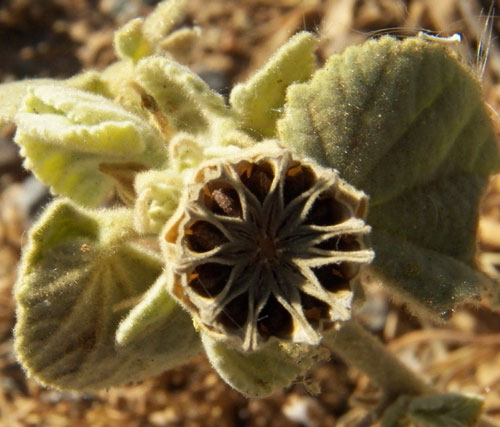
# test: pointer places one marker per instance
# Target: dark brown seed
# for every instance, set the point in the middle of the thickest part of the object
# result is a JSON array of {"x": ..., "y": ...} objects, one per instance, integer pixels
[
  {"x": 349, "y": 243},
  {"x": 208, "y": 280},
  {"x": 203, "y": 237},
  {"x": 298, "y": 180},
  {"x": 314, "y": 309},
  {"x": 258, "y": 179},
  {"x": 235, "y": 313},
  {"x": 345, "y": 243},
  {"x": 326, "y": 211},
  {"x": 275, "y": 320},
  {"x": 331, "y": 278},
  {"x": 227, "y": 202}
]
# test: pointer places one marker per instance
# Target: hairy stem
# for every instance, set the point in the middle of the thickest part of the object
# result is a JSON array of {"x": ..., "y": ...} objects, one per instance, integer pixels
[{"x": 360, "y": 348}]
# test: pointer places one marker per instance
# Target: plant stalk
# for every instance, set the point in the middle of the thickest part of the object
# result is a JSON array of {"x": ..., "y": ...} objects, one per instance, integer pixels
[{"x": 358, "y": 347}]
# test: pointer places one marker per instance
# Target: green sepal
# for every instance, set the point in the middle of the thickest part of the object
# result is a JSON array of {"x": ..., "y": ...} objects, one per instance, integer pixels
[
  {"x": 158, "y": 195},
  {"x": 180, "y": 43},
  {"x": 78, "y": 279},
  {"x": 259, "y": 101},
  {"x": 155, "y": 308},
  {"x": 441, "y": 410},
  {"x": 183, "y": 98},
  {"x": 130, "y": 43},
  {"x": 263, "y": 372},
  {"x": 164, "y": 18},
  {"x": 66, "y": 134},
  {"x": 143, "y": 37},
  {"x": 405, "y": 122}
]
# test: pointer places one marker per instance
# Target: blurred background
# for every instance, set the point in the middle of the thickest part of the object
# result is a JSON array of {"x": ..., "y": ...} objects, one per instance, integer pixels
[{"x": 58, "y": 38}]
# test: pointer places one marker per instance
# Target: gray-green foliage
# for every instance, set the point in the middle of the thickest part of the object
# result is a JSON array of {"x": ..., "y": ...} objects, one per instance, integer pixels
[
  {"x": 445, "y": 410},
  {"x": 405, "y": 121},
  {"x": 262, "y": 372},
  {"x": 78, "y": 279},
  {"x": 258, "y": 103},
  {"x": 65, "y": 135}
]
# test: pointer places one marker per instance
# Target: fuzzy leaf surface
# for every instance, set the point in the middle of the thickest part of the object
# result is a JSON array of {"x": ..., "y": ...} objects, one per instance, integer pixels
[
  {"x": 74, "y": 288},
  {"x": 259, "y": 101},
  {"x": 66, "y": 134},
  {"x": 183, "y": 98},
  {"x": 262, "y": 372},
  {"x": 12, "y": 94},
  {"x": 405, "y": 122},
  {"x": 129, "y": 41},
  {"x": 154, "y": 309},
  {"x": 446, "y": 410},
  {"x": 165, "y": 17}
]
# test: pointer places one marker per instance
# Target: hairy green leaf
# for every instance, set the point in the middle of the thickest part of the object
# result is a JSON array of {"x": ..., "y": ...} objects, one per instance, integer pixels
[
  {"x": 90, "y": 81},
  {"x": 129, "y": 41},
  {"x": 166, "y": 16},
  {"x": 259, "y": 101},
  {"x": 405, "y": 121},
  {"x": 446, "y": 410},
  {"x": 13, "y": 93},
  {"x": 180, "y": 43},
  {"x": 78, "y": 280},
  {"x": 154, "y": 309},
  {"x": 263, "y": 372},
  {"x": 66, "y": 134},
  {"x": 184, "y": 99},
  {"x": 142, "y": 37}
]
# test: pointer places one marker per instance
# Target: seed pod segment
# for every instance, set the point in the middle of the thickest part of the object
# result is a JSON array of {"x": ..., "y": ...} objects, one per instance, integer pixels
[{"x": 265, "y": 245}]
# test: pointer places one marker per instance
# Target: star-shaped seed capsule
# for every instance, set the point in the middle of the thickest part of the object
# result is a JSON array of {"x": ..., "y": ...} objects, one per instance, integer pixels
[{"x": 266, "y": 244}]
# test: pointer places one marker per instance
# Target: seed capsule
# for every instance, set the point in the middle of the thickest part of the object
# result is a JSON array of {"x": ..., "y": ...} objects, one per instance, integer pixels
[{"x": 264, "y": 246}]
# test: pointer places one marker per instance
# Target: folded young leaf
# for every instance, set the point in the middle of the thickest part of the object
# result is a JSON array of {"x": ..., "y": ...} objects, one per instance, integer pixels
[
  {"x": 180, "y": 43},
  {"x": 259, "y": 101},
  {"x": 129, "y": 41},
  {"x": 182, "y": 96},
  {"x": 404, "y": 121},
  {"x": 78, "y": 280},
  {"x": 66, "y": 134},
  {"x": 13, "y": 93},
  {"x": 154, "y": 34},
  {"x": 158, "y": 195},
  {"x": 166, "y": 16},
  {"x": 263, "y": 372}
]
